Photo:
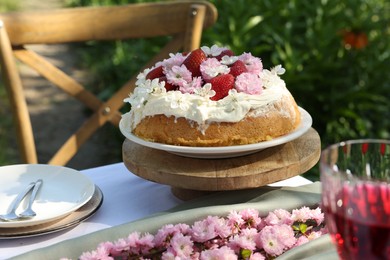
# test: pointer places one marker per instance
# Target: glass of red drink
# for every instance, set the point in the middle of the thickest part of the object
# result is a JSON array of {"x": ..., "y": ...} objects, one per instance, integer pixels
[{"x": 355, "y": 177}]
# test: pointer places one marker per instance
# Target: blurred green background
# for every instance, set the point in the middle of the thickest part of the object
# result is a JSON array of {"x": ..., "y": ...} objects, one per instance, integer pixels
[{"x": 336, "y": 55}]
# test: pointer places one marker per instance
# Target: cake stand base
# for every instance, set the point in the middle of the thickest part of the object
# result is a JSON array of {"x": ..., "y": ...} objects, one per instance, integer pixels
[{"x": 192, "y": 177}]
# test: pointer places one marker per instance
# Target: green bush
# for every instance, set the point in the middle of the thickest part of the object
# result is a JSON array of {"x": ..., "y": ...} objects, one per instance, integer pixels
[{"x": 342, "y": 83}]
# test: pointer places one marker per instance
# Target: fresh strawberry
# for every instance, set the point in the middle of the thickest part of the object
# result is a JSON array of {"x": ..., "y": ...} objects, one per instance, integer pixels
[
  {"x": 237, "y": 68},
  {"x": 225, "y": 53},
  {"x": 221, "y": 85},
  {"x": 155, "y": 73},
  {"x": 193, "y": 61},
  {"x": 168, "y": 86}
]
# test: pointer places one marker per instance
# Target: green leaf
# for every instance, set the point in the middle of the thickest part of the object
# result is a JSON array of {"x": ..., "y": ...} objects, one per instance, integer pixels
[{"x": 246, "y": 253}]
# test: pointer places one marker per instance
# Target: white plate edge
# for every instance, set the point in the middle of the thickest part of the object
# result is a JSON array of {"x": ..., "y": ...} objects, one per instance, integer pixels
[
  {"x": 306, "y": 123},
  {"x": 31, "y": 222}
]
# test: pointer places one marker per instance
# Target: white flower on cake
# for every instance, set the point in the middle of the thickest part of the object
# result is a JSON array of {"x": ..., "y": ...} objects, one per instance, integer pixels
[
  {"x": 213, "y": 51},
  {"x": 278, "y": 69},
  {"x": 178, "y": 100},
  {"x": 234, "y": 101},
  {"x": 228, "y": 60},
  {"x": 205, "y": 91}
]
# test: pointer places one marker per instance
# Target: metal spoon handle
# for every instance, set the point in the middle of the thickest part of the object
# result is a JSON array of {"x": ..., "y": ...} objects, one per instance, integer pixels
[
  {"x": 34, "y": 193},
  {"x": 20, "y": 197}
]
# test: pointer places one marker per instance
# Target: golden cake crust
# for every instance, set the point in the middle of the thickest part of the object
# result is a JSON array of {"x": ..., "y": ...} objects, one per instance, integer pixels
[{"x": 281, "y": 118}]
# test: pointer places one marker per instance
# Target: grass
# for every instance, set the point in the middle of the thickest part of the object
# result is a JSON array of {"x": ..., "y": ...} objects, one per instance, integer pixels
[{"x": 9, "y": 5}]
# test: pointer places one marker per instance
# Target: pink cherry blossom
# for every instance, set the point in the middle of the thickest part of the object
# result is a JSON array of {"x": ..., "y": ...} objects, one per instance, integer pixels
[
  {"x": 169, "y": 255},
  {"x": 174, "y": 60},
  {"x": 285, "y": 235},
  {"x": 220, "y": 226},
  {"x": 192, "y": 86},
  {"x": 301, "y": 240},
  {"x": 179, "y": 76},
  {"x": 203, "y": 231},
  {"x": 164, "y": 234},
  {"x": 257, "y": 256},
  {"x": 252, "y": 64},
  {"x": 211, "y": 68},
  {"x": 214, "y": 237},
  {"x": 249, "y": 83},
  {"x": 145, "y": 243},
  {"x": 244, "y": 240},
  {"x": 279, "y": 216},
  {"x": 223, "y": 253},
  {"x": 251, "y": 217},
  {"x": 269, "y": 241},
  {"x": 182, "y": 246},
  {"x": 305, "y": 213}
]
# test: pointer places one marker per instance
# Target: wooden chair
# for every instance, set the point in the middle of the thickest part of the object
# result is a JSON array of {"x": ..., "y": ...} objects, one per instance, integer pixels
[{"x": 183, "y": 20}]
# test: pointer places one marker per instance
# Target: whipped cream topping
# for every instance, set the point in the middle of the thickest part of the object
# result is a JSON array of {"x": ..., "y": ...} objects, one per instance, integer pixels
[{"x": 151, "y": 98}]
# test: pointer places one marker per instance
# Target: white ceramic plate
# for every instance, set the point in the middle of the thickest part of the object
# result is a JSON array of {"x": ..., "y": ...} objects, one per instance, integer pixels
[
  {"x": 221, "y": 151},
  {"x": 63, "y": 191},
  {"x": 69, "y": 221}
]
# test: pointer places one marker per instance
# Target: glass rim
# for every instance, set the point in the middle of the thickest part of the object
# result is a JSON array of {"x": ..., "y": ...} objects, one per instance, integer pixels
[
  {"x": 325, "y": 153},
  {"x": 356, "y": 141}
]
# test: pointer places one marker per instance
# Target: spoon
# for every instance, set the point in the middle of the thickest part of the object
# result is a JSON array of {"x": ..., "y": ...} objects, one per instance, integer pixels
[
  {"x": 11, "y": 215},
  {"x": 29, "y": 212}
]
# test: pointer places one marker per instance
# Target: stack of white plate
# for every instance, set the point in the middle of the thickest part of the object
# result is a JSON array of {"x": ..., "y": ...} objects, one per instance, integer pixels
[{"x": 65, "y": 198}]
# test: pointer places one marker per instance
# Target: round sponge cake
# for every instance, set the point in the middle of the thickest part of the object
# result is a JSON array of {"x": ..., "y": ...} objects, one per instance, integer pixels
[{"x": 211, "y": 97}]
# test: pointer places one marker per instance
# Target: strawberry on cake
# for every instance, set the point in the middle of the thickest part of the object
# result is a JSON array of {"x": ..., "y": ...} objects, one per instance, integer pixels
[{"x": 211, "y": 97}]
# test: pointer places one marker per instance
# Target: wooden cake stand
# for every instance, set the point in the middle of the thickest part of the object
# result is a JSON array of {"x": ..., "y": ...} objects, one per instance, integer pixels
[{"x": 192, "y": 177}]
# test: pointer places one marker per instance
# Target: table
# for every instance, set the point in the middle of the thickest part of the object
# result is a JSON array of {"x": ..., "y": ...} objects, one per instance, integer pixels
[{"x": 125, "y": 200}]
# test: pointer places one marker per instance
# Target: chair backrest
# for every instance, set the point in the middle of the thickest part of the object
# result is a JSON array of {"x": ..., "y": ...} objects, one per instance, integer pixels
[{"x": 183, "y": 20}]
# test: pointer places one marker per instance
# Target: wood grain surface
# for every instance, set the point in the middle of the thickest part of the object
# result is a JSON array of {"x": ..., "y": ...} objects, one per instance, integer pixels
[{"x": 249, "y": 171}]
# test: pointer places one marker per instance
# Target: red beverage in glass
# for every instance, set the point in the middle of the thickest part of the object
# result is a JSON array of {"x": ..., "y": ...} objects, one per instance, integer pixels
[
  {"x": 355, "y": 178},
  {"x": 362, "y": 229}
]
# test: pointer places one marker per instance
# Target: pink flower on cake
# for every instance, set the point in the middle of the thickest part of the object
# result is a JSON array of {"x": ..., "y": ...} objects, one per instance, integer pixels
[
  {"x": 211, "y": 68},
  {"x": 253, "y": 64},
  {"x": 179, "y": 76},
  {"x": 249, "y": 83},
  {"x": 173, "y": 60},
  {"x": 192, "y": 86}
]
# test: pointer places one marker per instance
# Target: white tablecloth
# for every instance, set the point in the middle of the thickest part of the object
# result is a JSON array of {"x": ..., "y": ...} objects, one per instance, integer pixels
[{"x": 126, "y": 198}]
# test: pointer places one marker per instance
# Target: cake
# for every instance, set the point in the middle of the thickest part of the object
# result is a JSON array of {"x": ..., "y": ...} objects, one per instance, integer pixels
[{"x": 211, "y": 97}]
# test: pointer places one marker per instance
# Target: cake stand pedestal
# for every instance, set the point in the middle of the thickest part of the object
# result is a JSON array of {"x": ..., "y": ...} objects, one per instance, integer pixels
[{"x": 192, "y": 177}]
